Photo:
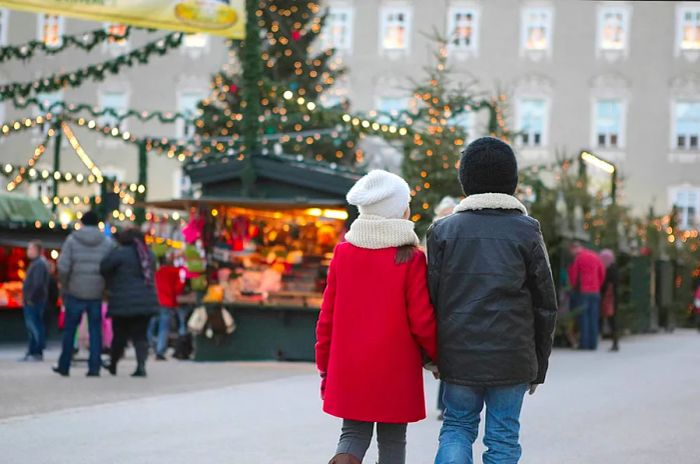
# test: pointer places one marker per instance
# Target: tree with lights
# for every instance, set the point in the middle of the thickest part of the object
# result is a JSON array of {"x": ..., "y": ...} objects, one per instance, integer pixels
[
  {"x": 432, "y": 153},
  {"x": 289, "y": 64}
]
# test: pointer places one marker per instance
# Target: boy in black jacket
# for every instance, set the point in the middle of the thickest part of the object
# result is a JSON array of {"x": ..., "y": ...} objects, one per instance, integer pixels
[{"x": 493, "y": 292}]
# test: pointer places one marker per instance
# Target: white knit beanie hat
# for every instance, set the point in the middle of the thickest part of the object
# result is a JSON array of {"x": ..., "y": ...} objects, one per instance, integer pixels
[{"x": 380, "y": 193}]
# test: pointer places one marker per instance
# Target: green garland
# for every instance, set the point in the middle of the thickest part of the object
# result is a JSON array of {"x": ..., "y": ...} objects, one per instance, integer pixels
[
  {"x": 85, "y": 41},
  {"x": 75, "y": 108},
  {"x": 95, "y": 72}
]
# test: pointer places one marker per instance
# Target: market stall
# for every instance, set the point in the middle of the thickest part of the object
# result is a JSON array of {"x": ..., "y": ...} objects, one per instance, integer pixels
[
  {"x": 261, "y": 252},
  {"x": 22, "y": 219}
]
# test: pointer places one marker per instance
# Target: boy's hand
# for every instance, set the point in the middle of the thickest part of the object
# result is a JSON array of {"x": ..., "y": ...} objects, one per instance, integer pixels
[{"x": 533, "y": 387}]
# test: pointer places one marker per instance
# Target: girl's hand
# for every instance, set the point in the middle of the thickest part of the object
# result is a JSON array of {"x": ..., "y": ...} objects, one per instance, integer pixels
[{"x": 323, "y": 386}]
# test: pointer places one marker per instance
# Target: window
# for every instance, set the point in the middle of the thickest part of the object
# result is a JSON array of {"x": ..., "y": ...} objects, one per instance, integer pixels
[
  {"x": 608, "y": 123},
  {"x": 51, "y": 30},
  {"x": 337, "y": 32},
  {"x": 537, "y": 29},
  {"x": 462, "y": 29},
  {"x": 688, "y": 34},
  {"x": 48, "y": 102},
  {"x": 4, "y": 21},
  {"x": 532, "y": 121},
  {"x": 117, "y": 101},
  {"x": 687, "y": 203},
  {"x": 395, "y": 28},
  {"x": 686, "y": 125},
  {"x": 196, "y": 41},
  {"x": 117, "y": 30},
  {"x": 182, "y": 185},
  {"x": 465, "y": 121},
  {"x": 389, "y": 108},
  {"x": 613, "y": 28},
  {"x": 187, "y": 102}
]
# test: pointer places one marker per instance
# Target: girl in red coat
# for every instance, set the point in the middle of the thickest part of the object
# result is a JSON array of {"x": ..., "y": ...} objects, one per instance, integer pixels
[{"x": 376, "y": 322}]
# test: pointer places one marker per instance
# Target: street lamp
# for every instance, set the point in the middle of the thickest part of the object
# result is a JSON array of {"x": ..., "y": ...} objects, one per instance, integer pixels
[{"x": 589, "y": 159}]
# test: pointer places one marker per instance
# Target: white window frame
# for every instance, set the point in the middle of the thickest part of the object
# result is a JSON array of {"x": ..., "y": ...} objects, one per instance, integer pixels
[
  {"x": 378, "y": 101},
  {"x": 192, "y": 50},
  {"x": 103, "y": 121},
  {"x": 180, "y": 124},
  {"x": 4, "y": 24},
  {"x": 621, "y": 136},
  {"x": 685, "y": 222},
  {"x": 344, "y": 45},
  {"x": 182, "y": 184},
  {"x": 681, "y": 9},
  {"x": 115, "y": 46},
  {"x": 544, "y": 136},
  {"x": 464, "y": 8},
  {"x": 396, "y": 8},
  {"x": 42, "y": 129},
  {"x": 41, "y": 23},
  {"x": 613, "y": 7},
  {"x": 549, "y": 30},
  {"x": 674, "y": 128}
]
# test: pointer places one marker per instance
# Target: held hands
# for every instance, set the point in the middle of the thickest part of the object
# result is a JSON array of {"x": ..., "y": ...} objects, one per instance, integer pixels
[
  {"x": 323, "y": 385},
  {"x": 533, "y": 387},
  {"x": 432, "y": 367}
]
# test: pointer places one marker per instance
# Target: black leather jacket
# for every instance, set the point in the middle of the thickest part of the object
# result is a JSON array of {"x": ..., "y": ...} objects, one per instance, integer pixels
[{"x": 494, "y": 297}]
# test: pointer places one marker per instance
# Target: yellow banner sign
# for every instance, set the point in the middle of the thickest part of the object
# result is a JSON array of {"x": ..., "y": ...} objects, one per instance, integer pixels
[{"x": 218, "y": 17}]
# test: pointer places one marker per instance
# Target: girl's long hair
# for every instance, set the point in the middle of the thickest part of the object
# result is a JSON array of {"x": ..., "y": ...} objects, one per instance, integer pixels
[{"x": 404, "y": 254}]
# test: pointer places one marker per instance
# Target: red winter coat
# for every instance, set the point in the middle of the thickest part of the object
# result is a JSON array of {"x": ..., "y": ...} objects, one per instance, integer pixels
[
  {"x": 587, "y": 273},
  {"x": 375, "y": 318},
  {"x": 168, "y": 285}
]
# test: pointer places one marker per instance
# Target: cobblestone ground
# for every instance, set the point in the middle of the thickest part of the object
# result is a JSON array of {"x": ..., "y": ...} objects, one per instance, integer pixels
[{"x": 641, "y": 405}]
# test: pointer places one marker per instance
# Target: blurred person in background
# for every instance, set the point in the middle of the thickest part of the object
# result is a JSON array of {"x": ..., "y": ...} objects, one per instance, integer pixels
[
  {"x": 609, "y": 294},
  {"x": 169, "y": 286},
  {"x": 586, "y": 276},
  {"x": 129, "y": 273},
  {"x": 35, "y": 292},
  {"x": 83, "y": 287}
]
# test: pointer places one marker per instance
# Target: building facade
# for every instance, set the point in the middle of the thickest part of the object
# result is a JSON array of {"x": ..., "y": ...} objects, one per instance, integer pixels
[{"x": 620, "y": 79}]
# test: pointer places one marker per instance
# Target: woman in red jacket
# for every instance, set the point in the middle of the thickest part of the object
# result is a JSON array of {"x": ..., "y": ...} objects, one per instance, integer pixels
[{"x": 376, "y": 322}]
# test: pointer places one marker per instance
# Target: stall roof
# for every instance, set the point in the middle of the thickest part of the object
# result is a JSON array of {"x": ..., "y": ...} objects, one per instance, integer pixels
[
  {"x": 280, "y": 180},
  {"x": 16, "y": 208},
  {"x": 272, "y": 204}
]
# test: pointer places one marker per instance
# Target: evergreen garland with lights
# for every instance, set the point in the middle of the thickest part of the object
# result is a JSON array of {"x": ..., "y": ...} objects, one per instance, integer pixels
[{"x": 288, "y": 63}]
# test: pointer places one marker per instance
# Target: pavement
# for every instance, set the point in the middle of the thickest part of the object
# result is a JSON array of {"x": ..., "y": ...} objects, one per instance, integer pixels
[{"x": 641, "y": 405}]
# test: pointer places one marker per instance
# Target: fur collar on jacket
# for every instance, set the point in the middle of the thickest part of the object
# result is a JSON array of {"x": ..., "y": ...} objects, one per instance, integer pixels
[
  {"x": 375, "y": 232},
  {"x": 490, "y": 201}
]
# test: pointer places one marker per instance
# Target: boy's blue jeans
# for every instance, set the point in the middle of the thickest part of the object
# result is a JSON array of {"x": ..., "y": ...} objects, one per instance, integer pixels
[
  {"x": 463, "y": 407},
  {"x": 75, "y": 307}
]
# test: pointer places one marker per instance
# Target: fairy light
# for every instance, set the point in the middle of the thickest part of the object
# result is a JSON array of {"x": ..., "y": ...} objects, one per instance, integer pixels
[{"x": 81, "y": 153}]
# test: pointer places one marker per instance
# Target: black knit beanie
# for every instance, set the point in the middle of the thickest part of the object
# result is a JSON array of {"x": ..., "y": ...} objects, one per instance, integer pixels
[{"x": 488, "y": 165}]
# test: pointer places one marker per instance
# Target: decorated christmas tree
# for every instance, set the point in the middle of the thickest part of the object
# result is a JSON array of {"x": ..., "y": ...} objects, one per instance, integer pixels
[
  {"x": 293, "y": 64},
  {"x": 439, "y": 124}
]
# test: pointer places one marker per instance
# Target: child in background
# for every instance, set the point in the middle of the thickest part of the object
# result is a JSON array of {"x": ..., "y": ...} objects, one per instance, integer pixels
[{"x": 169, "y": 285}]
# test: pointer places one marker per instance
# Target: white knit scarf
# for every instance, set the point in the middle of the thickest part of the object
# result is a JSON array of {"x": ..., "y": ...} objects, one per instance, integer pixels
[
  {"x": 375, "y": 232},
  {"x": 490, "y": 201}
]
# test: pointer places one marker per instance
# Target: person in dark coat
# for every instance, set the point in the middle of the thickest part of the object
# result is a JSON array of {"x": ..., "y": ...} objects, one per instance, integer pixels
[
  {"x": 129, "y": 273},
  {"x": 35, "y": 293},
  {"x": 492, "y": 288},
  {"x": 609, "y": 294}
]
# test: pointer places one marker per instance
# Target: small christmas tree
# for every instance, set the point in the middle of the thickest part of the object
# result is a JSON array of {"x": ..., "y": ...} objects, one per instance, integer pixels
[
  {"x": 432, "y": 155},
  {"x": 289, "y": 32}
]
